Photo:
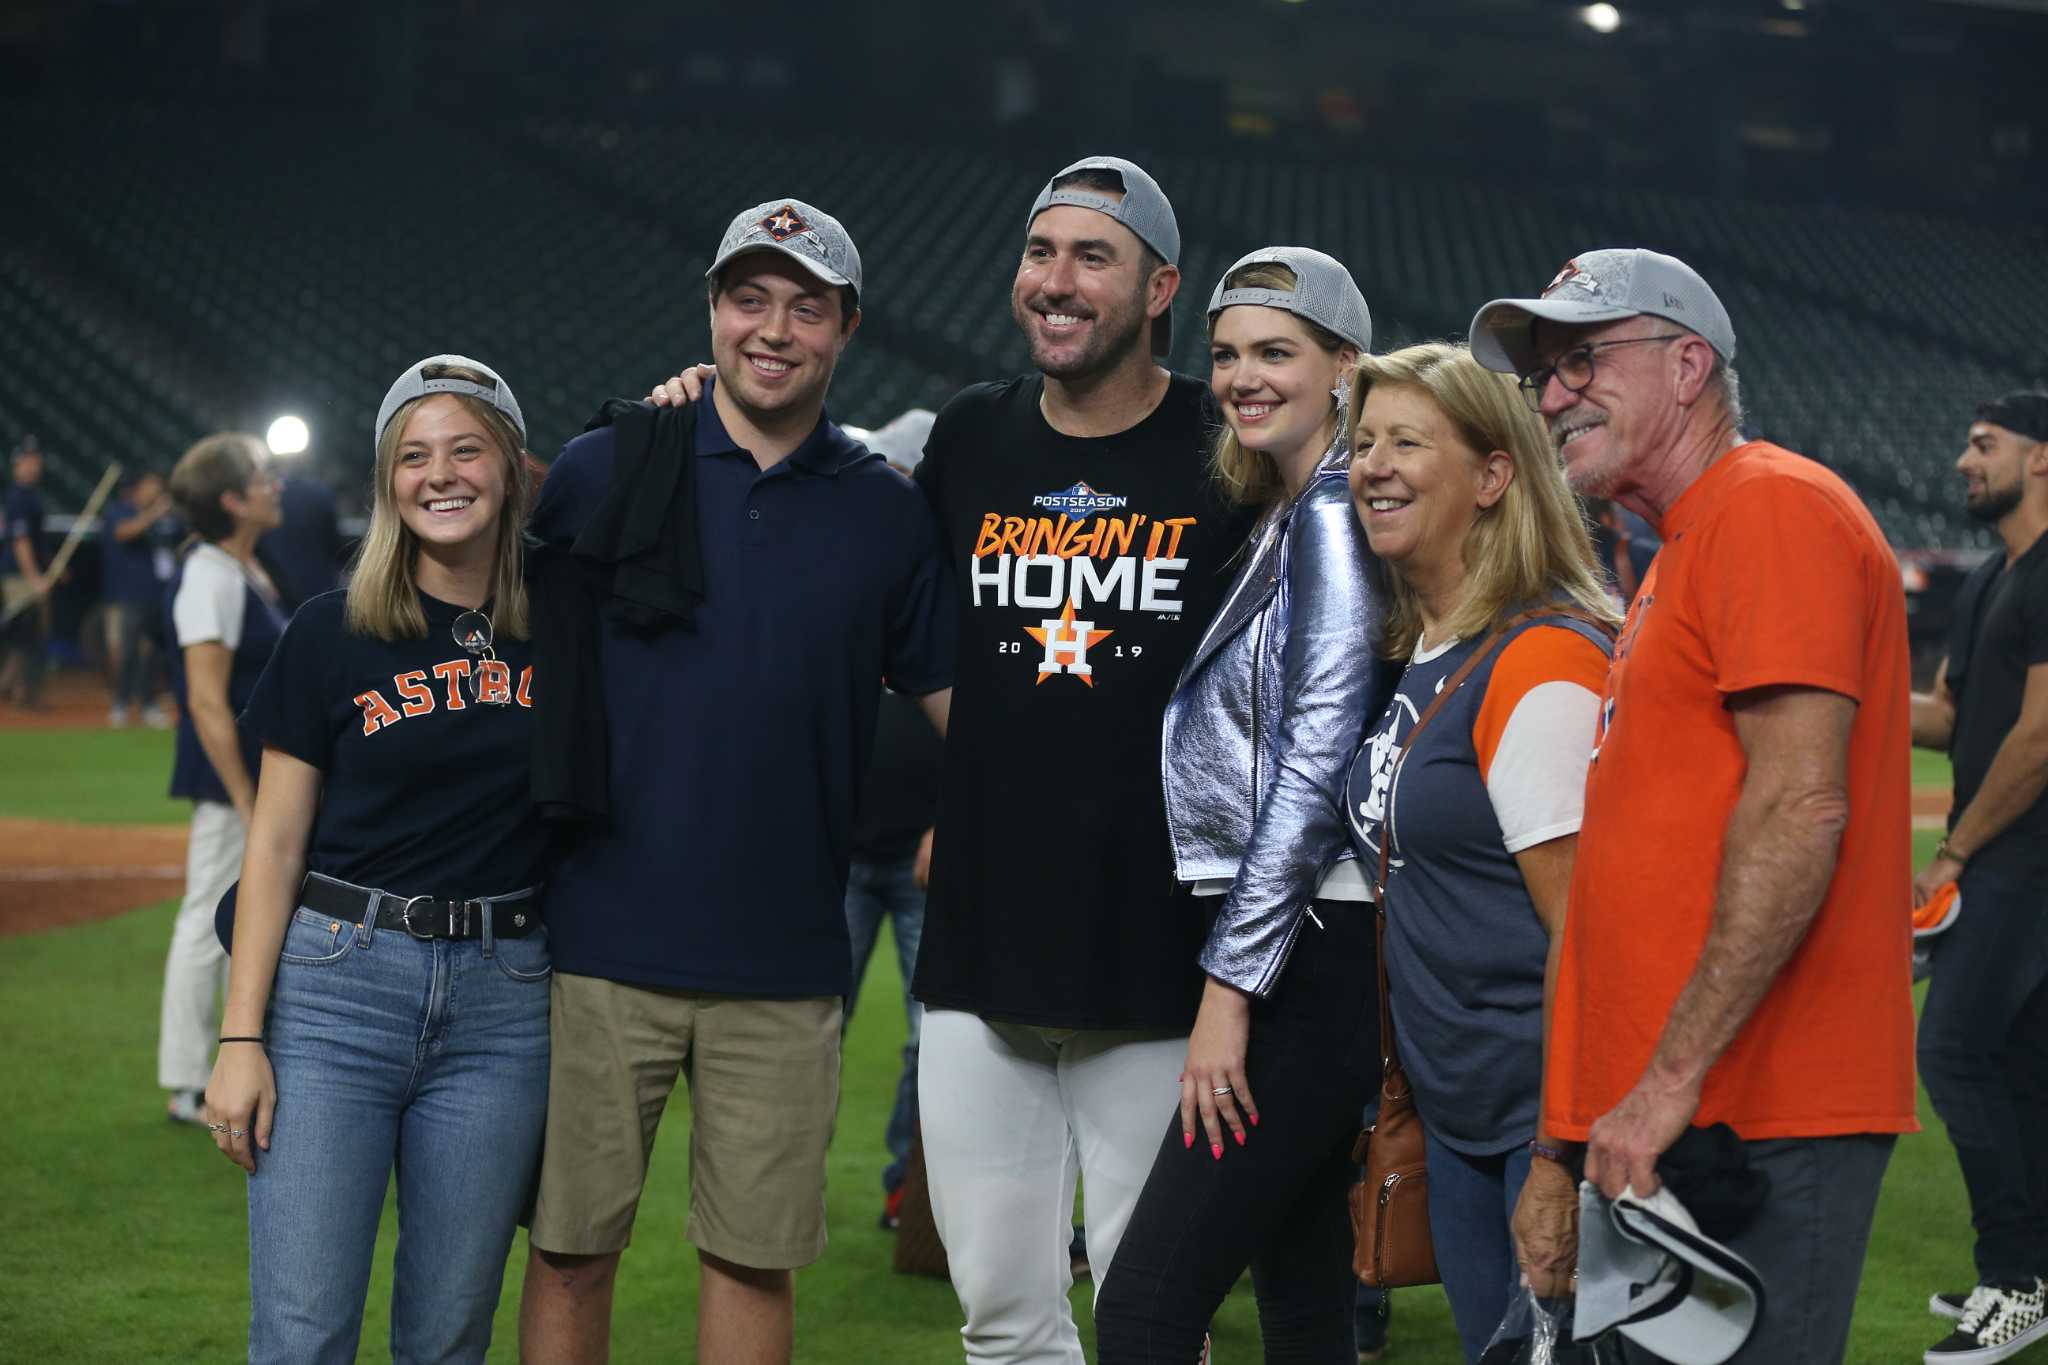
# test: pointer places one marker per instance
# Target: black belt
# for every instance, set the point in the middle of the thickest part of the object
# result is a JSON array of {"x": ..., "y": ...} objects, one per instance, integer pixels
[{"x": 513, "y": 916}]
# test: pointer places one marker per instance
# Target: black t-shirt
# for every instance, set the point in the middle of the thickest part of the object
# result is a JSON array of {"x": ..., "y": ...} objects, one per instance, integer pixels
[
  {"x": 1087, "y": 571},
  {"x": 900, "y": 799},
  {"x": 2000, "y": 631},
  {"x": 426, "y": 790}
]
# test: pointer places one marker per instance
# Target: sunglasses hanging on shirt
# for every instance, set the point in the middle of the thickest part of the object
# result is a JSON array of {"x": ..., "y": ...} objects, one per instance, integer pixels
[{"x": 473, "y": 632}]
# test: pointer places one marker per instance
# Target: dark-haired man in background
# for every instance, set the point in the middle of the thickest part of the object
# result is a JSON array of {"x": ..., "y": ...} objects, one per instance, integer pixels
[{"x": 1984, "y": 1027}]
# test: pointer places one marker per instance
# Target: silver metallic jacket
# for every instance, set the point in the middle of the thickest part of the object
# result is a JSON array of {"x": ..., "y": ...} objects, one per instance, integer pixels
[{"x": 1265, "y": 720}]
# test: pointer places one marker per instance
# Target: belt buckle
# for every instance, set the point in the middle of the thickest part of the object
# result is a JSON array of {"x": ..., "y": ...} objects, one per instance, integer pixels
[{"x": 405, "y": 917}]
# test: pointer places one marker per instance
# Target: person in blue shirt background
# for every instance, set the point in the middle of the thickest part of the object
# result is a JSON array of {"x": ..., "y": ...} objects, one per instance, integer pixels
[
  {"x": 24, "y": 589},
  {"x": 137, "y": 559}
]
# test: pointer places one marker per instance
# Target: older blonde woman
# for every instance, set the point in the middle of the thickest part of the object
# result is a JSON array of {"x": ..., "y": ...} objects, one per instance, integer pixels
[{"x": 1493, "y": 598}]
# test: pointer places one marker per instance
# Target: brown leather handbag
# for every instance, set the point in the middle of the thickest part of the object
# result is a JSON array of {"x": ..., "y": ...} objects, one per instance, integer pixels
[{"x": 1390, "y": 1204}]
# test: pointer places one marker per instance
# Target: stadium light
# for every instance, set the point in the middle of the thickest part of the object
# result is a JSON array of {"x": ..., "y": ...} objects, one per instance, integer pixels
[
  {"x": 287, "y": 435},
  {"x": 1601, "y": 18}
]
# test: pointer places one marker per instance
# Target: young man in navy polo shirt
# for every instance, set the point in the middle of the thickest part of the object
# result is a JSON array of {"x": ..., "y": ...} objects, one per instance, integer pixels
[{"x": 702, "y": 932}]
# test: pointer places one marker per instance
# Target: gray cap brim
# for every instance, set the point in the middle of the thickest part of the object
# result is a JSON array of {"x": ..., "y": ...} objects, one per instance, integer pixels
[
  {"x": 818, "y": 269},
  {"x": 1501, "y": 333}
]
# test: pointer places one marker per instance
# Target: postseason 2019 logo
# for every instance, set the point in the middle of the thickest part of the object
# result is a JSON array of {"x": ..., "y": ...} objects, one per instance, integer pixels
[{"x": 1079, "y": 502}]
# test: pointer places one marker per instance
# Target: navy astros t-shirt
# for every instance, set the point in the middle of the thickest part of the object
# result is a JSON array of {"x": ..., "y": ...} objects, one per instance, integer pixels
[{"x": 426, "y": 791}]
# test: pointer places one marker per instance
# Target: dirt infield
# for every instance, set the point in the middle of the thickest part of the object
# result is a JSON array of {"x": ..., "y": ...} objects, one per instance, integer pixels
[
  {"x": 54, "y": 873},
  {"x": 73, "y": 699}
]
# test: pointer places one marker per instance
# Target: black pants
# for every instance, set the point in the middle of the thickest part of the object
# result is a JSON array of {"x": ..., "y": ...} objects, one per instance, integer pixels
[
  {"x": 1984, "y": 1056},
  {"x": 1278, "y": 1202}
]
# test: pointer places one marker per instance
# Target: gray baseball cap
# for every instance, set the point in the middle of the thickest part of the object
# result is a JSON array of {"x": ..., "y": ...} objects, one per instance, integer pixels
[
  {"x": 1602, "y": 286},
  {"x": 1144, "y": 209},
  {"x": 1323, "y": 292},
  {"x": 1647, "y": 1271},
  {"x": 811, "y": 237},
  {"x": 414, "y": 384}
]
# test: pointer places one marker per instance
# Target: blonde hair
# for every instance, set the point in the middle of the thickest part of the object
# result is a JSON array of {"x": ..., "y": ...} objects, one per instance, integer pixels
[
  {"x": 1531, "y": 547},
  {"x": 383, "y": 599},
  {"x": 1249, "y": 477},
  {"x": 225, "y": 462}
]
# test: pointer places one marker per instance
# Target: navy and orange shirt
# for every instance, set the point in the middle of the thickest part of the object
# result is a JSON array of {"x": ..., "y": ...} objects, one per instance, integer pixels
[
  {"x": 1501, "y": 768},
  {"x": 425, "y": 786}
]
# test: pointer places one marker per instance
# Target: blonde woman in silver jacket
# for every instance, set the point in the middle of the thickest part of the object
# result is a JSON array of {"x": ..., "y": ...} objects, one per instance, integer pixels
[{"x": 1254, "y": 1168}]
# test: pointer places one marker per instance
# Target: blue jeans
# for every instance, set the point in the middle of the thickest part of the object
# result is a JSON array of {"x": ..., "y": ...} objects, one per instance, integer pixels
[
  {"x": 875, "y": 892},
  {"x": 390, "y": 1051},
  {"x": 1471, "y": 1203}
]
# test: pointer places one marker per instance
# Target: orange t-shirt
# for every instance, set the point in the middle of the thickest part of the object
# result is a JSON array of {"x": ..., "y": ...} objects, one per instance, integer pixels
[{"x": 1772, "y": 573}]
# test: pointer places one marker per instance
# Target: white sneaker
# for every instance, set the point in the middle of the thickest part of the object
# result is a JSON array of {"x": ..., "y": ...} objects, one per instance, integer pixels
[
  {"x": 155, "y": 717},
  {"x": 187, "y": 1106},
  {"x": 117, "y": 717},
  {"x": 1997, "y": 1324}
]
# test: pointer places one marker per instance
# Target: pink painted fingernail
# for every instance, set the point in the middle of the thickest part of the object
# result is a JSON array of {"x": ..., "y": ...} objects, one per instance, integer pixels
[
  {"x": 1239, "y": 1137},
  {"x": 1216, "y": 1150},
  {"x": 1255, "y": 1120},
  {"x": 1187, "y": 1141}
]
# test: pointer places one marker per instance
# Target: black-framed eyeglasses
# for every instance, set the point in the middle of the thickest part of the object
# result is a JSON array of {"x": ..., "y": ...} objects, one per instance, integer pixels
[{"x": 1574, "y": 369}]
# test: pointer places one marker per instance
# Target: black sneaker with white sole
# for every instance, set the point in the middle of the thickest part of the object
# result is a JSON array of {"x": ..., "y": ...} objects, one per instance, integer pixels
[{"x": 1998, "y": 1322}]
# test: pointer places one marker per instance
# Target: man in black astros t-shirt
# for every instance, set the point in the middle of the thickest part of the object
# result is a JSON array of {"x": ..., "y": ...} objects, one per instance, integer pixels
[{"x": 1058, "y": 966}]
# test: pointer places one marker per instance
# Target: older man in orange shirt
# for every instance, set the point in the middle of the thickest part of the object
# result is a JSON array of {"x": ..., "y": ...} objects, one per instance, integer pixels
[{"x": 1738, "y": 937}]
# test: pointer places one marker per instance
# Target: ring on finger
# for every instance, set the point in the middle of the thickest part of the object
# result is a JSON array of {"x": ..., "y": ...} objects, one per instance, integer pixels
[
  {"x": 235, "y": 1132},
  {"x": 1221, "y": 1090},
  {"x": 216, "y": 1127}
]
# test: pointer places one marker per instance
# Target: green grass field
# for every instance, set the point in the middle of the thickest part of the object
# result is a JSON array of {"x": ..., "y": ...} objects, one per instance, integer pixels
[{"x": 127, "y": 1239}]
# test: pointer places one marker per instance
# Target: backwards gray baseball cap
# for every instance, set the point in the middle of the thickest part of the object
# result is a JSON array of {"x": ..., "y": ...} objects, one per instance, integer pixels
[
  {"x": 415, "y": 384},
  {"x": 1602, "y": 286},
  {"x": 811, "y": 237},
  {"x": 1648, "y": 1272},
  {"x": 1323, "y": 292},
  {"x": 1144, "y": 209}
]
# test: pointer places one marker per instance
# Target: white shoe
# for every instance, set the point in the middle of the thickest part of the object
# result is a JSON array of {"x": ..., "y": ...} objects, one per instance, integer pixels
[
  {"x": 117, "y": 717},
  {"x": 155, "y": 717}
]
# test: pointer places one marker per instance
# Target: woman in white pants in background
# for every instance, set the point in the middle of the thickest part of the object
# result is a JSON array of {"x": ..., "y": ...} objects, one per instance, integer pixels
[{"x": 225, "y": 621}]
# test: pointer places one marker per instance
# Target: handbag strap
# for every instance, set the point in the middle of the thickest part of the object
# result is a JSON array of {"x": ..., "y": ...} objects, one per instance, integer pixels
[{"x": 1390, "y": 1056}]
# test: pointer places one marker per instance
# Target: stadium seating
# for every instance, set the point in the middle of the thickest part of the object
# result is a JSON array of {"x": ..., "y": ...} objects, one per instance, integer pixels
[{"x": 307, "y": 256}]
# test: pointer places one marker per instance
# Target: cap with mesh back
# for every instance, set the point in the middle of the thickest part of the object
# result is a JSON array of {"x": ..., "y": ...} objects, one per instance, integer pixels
[
  {"x": 1144, "y": 209},
  {"x": 811, "y": 237},
  {"x": 1602, "y": 286},
  {"x": 1323, "y": 292},
  {"x": 415, "y": 384}
]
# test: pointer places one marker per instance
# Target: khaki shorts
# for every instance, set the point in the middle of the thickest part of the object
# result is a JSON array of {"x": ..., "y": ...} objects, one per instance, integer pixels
[{"x": 764, "y": 1087}]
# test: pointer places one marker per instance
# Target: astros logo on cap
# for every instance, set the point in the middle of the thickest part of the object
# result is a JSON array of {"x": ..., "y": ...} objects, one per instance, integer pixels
[
  {"x": 1570, "y": 273},
  {"x": 784, "y": 223}
]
